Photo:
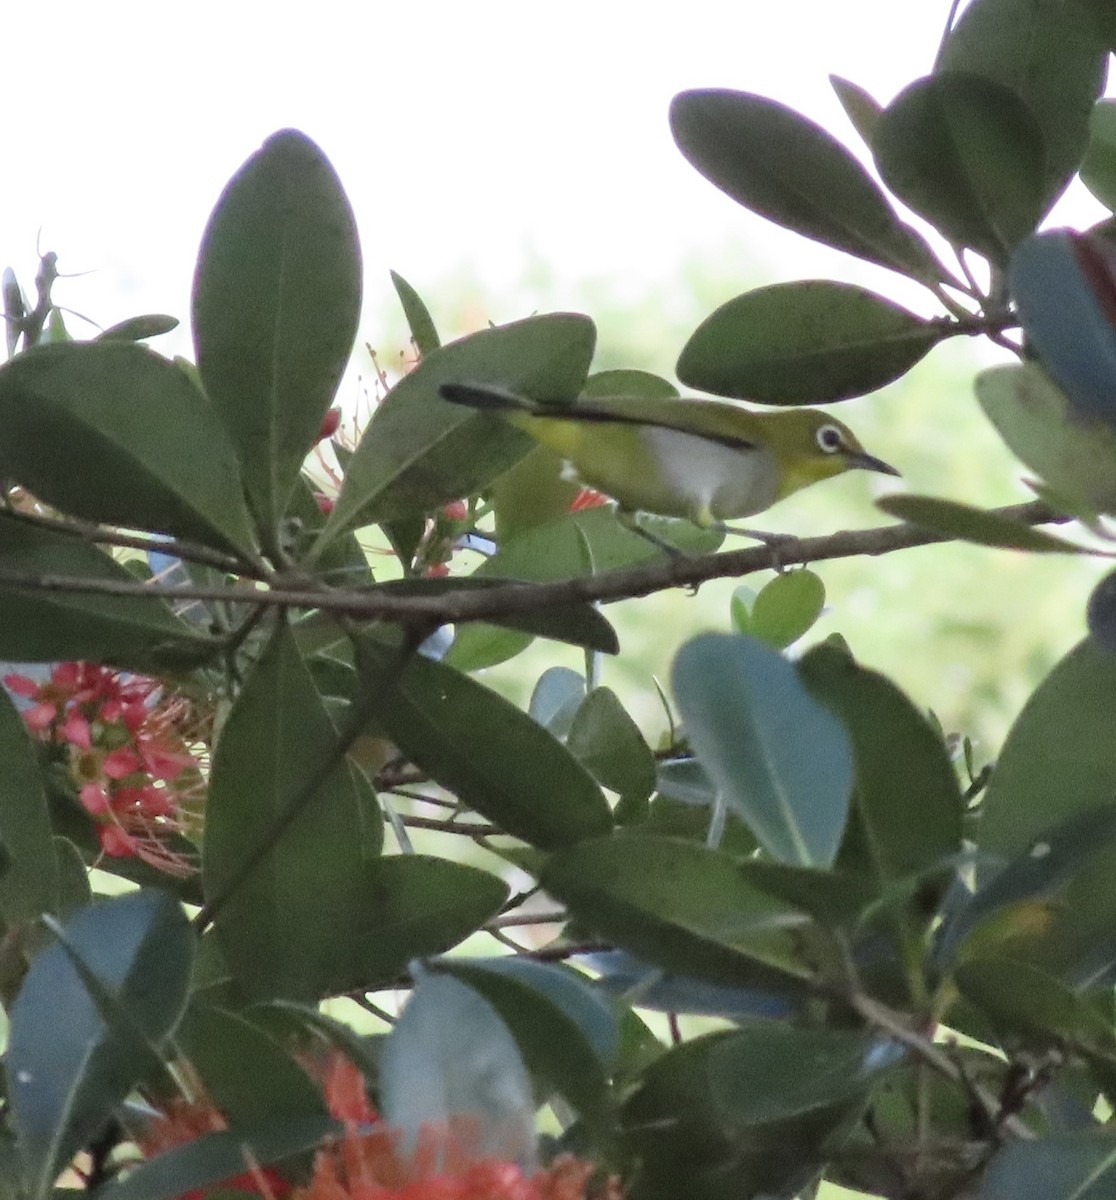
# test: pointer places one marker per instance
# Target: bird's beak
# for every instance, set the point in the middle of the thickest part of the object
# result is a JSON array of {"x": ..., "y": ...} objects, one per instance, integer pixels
[{"x": 869, "y": 462}]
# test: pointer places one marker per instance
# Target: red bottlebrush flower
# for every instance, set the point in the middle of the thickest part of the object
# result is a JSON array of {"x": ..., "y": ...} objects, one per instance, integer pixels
[
  {"x": 22, "y": 685},
  {"x": 331, "y": 423},
  {"x": 587, "y": 498},
  {"x": 116, "y": 842},
  {"x": 437, "y": 571},
  {"x": 456, "y": 510},
  {"x": 325, "y": 503}
]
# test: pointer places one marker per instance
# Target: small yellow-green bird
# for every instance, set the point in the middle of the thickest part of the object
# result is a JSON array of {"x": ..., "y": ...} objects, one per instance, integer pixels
[{"x": 704, "y": 460}]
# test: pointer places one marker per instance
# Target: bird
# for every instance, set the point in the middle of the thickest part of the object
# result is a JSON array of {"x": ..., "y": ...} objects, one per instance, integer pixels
[{"x": 706, "y": 461}]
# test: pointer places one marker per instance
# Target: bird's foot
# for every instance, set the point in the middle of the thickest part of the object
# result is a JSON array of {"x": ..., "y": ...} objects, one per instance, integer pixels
[{"x": 779, "y": 544}]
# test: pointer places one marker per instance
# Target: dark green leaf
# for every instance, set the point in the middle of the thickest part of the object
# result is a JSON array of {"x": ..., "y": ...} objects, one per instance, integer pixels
[
  {"x": 136, "y": 329},
  {"x": 296, "y": 923},
  {"x": 628, "y": 383},
  {"x": 965, "y": 153},
  {"x": 605, "y": 739},
  {"x": 832, "y": 898},
  {"x": 968, "y": 524},
  {"x": 477, "y": 646},
  {"x": 73, "y": 878},
  {"x": 565, "y": 1030},
  {"x": 215, "y": 1157},
  {"x": 679, "y": 906},
  {"x": 423, "y": 333},
  {"x": 779, "y": 759},
  {"x": 862, "y": 109},
  {"x": 785, "y": 608},
  {"x": 1059, "y": 758},
  {"x": 814, "y": 341},
  {"x": 112, "y": 432},
  {"x": 1100, "y": 613},
  {"x": 29, "y": 882},
  {"x": 523, "y": 780},
  {"x": 275, "y": 307},
  {"x": 139, "y": 632},
  {"x": 577, "y": 623},
  {"x": 65, "y": 1076},
  {"x": 777, "y": 163},
  {"x": 418, "y": 451},
  {"x": 1098, "y": 170},
  {"x": 905, "y": 791},
  {"x": 246, "y": 1073},
  {"x": 1076, "y": 1166},
  {"x": 1051, "y": 56}
]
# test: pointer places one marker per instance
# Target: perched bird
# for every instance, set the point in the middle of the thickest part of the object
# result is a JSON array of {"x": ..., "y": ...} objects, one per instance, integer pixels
[{"x": 707, "y": 461}]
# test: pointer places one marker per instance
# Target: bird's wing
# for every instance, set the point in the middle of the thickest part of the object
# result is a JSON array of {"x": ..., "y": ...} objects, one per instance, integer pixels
[{"x": 729, "y": 424}]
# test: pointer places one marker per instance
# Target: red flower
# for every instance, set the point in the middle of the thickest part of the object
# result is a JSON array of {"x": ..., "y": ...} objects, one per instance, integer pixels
[{"x": 331, "y": 423}]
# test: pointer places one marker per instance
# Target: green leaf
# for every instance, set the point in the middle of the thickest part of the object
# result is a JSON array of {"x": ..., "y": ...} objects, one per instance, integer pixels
[
  {"x": 555, "y": 699},
  {"x": 576, "y": 623},
  {"x": 625, "y": 382},
  {"x": 862, "y": 109},
  {"x": 905, "y": 792},
  {"x": 681, "y": 907},
  {"x": 246, "y": 1073},
  {"x": 275, "y": 306},
  {"x": 523, "y": 780},
  {"x": 139, "y": 632},
  {"x": 785, "y": 608},
  {"x": 784, "y": 167},
  {"x": 565, "y": 1030},
  {"x": 478, "y": 645},
  {"x": 1059, "y": 758},
  {"x": 136, "y": 329},
  {"x": 779, "y": 759},
  {"x": 1073, "y": 453},
  {"x": 215, "y": 1157},
  {"x": 968, "y": 524},
  {"x": 29, "y": 884},
  {"x": 423, "y": 333},
  {"x": 814, "y": 341},
  {"x": 965, "y": 153},
  {"x": 1098, "y": 169},
  {"x": 1051, "y": 56},
  {"x": 1078, "y": 1166},
  {"x": 66, "y": 1076},
  {"x": 112, "y": 432},
  {"x": 418, "y": 451},
  {"x": 605, "y": 739},
  {"x": 296, "y": 925}
]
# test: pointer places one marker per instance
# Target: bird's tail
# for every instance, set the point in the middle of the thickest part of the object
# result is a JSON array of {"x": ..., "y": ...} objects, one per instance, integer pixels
[{"x": 485, "y": 398}]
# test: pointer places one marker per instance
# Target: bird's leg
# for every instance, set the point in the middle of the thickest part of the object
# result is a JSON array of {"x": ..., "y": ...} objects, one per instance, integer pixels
[{"x": 775, "y": 542}]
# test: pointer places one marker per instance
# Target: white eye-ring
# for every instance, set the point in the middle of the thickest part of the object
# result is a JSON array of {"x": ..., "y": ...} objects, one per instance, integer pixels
[{"x": 830, "y": 439}]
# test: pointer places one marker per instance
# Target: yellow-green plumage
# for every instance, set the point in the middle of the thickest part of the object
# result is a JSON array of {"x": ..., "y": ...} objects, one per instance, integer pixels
[{"x": 705, "y": 460}]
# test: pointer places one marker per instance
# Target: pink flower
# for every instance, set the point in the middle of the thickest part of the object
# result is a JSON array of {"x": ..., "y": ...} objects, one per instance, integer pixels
[
  {"x": 95, "y": 799},
  {"x": 116, "y": 842},
  {"x": 121, "y": 762},
  {"x": 331, "y": 423},
  {"x": 40, "y": 717},
  {"x": 22, "y": 685},
  {"x": 75, "y": 730}
]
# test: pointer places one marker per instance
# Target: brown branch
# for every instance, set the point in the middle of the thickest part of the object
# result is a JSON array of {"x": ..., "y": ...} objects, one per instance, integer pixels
[{"x": 518, "y": 598}]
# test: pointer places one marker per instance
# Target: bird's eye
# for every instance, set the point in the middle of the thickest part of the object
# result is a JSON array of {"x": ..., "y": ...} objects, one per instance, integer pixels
[{"x": 830, "y": 440}]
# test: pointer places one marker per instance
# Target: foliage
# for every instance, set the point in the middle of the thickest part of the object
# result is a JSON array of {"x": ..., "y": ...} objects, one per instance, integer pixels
[{"x": 249, "y": 633}]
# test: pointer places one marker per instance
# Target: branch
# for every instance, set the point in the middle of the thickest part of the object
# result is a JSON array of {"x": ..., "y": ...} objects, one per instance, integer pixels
[{"x": 513, "y": 598}]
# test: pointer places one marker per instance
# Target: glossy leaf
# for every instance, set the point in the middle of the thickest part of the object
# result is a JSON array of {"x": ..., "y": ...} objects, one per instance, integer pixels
[
  {"x": 1098, "y": 169},
  {"x": 215, "y": 1157},
  {"x": 419, "y": 321},
  {"x": 297, "y": 920},
  {"x": 524, "y": 780},
  {"x": 275, "y": 306},
  {"x": 29, "y": 884},
  {"x": 478, "y": 645},
  {"x": 810, "y": 342},
  {"x": 555, "y": 699},
  {"x": 246, "y": 1073},
  {"x": 605, "y": 739},
  {"x": 139, "y": 632},
  {"x": 1050, "y": 56},
  {"x": 64, "y": 1076},
  {"x": 681, "y": 907},
  {"x": 1077, "y": 1165},
  {"x": 785, "y": 608},
  {"x": 564, "y": 1028},
  {"x": 965, "y": 153},
  {"x": 905, "y": 794},
  {"x": 1100, "y": 613},
  {"x": 862, "y": 109},
  {"x": 451, "y": 1056},
  {"x": 1059, "y": 758},
  {"x": 784, "y": 167},
  {"x": 112, "y": 432},
  {"x": 1063, "y": 285},
  {"x": 965, "y": 523},
  {"x": 137, "y": 329},
  {"x": 577, "y": 623},
  {"x": 418, "y": 451},
  {"x": 779, "y": 759},
  {"x": 625, "y": 382},
  {"x": 1073, "y": 454}
]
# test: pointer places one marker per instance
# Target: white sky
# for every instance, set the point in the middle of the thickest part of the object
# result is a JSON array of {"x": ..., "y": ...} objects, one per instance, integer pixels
[{"x": 465, "y": 133}]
